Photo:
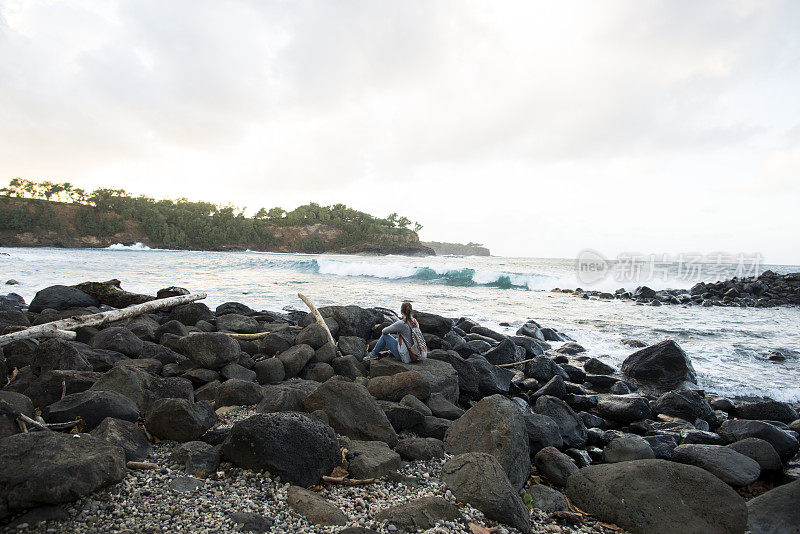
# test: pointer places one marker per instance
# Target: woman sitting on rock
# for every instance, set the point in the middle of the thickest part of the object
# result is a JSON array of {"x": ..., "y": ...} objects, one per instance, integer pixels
[{"x": 399, "y": 346}]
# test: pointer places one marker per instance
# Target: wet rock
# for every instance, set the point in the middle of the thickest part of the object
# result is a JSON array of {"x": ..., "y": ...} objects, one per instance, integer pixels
[
  {"x": 544, "y": 369},
  {"x": 314, "y": 507},
  {"x": 767, "y": 410},
  {"x": 61, "y": 298},
  {"x": 290, "y": 445},
  {"x": 313, "y": 335},
  {"x": 686, "y": 404},
  {"x": 555, "y": 466},
  {"x": 570, "y": 348},
  {"x": 434, "y": 324},
  {"x": 555, "y": 387},
  {"x": 775, "y": 511},
  {"x": 658, "y": 496},
  {"x": 126, "y": 435},
  {"x": 478, "y": 479},
  {"x": 176, "y": 419},
  {"x": 422, "y": 513},
  {"x": 92, "y": 406},
  {"x": 504, "y": 352},
  {"x": 209, "y": 350},
  {"x": 441, "y": 407},
  {"x": 598, "y": 367},
  {"x": 352, "y": 411},
  {"x": 664, "y": 365},
  {"x": 495, "y": 426},
  {"x": 727, "y": 464},
  {"x": 51, "y": 468},
  {"x": 624, "y": 408},
  {"x": 198, "y": 459}
]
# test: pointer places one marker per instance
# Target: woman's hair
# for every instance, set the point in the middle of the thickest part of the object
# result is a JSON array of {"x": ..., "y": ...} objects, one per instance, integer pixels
[{"x": 405, "y": 309}]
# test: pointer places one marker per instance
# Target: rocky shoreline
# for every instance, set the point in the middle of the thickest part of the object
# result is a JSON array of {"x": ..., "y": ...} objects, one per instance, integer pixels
[
  {"x": 766, "y": 290},
  {"x": 241, "y": 420}
]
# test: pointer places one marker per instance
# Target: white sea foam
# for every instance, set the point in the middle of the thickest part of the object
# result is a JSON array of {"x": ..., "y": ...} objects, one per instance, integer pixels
[{"x": 135, "y": 246}]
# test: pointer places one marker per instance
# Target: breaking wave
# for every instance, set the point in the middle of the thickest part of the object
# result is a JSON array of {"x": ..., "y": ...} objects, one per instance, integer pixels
[
  {"x": 451, "y": 276},
  {"x": 135, "y": 246}
]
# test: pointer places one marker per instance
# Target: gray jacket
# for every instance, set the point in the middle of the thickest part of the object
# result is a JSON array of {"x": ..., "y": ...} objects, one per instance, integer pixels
[{"x": 402, "y": 329}]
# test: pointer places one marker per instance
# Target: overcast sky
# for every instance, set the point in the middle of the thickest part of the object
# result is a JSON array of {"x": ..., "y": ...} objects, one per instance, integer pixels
[{"x": 539, "y": 129}]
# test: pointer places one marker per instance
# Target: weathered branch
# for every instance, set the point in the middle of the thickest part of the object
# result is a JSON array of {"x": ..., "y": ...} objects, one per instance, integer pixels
[
  {"x": 515, "y": 363},
  {"x": 258, "y": 335},
  {"x": 56, "y": 328},
  {"x": 318, "y": 317},
  {"x": 141, "y": 465}
]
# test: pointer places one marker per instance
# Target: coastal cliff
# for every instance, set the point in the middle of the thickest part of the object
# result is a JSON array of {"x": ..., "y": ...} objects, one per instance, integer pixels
[
  {"x": 29, "y": 222},
  {"x": 457, "y": 249}
]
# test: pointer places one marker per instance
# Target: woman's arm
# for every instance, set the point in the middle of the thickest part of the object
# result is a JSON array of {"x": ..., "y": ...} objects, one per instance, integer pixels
[{"x": 393, "y": 328}]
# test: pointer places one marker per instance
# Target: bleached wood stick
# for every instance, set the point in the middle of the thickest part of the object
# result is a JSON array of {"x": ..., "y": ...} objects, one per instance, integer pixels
[
  {"x": 515, "y": 363},
  {"x": 97, "y": 319},
  {"x": 258, "y": 335},
  {"x": 318, "y": 316},
  {"x": 348, "y": 481},
  {"x": 141, "y": 465}
]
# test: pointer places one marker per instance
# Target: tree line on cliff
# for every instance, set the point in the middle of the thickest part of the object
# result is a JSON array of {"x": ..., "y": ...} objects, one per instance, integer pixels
[{"x": 185, "y": 224}]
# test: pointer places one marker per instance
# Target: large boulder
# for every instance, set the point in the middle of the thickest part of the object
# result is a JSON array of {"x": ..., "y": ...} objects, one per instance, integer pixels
[
  {"x": 124, "y": 434},
  {"x": 142, "y": 387},
  {"x": 58, "y": 355},
  {"x": 239, "y": 393},
  {"x": 760, "y": 451},
  {"x": 495, "y": 426},
  {"x": 663, "y": 365},
  {"x": 352, "y": 411},
  {"x": 293, "y": 446},
  {"x": 178, "y": 419},
  {"x": 784, "y": 443},
  {"x": 209, "y": 350},
  {"x": 192, "y": 313},
  {"x": 658, "y": 497},
  {"x": 295, "y": 358},
  {"x": 776, "y": 511},
  {"x": 468, "y": 376},
  {"x": 269, "y": 371},
  {"x": 573, "y": 431},
  {"x": 503, "y": 352},
  {"x": 767, "y": 410},
  {"x": 555, "y": 466},
  {"x": 286, "y": 397},
  {"x": 728, "y": 465},
  {"x": 118, "y": 339},
  {"x": 92, "y": 406},
  {"x": 112, "y": 294},
  {"x": 53, "y": 468},
  {"x": 313, "y": 335},
  {"x": 478, "y": 479},
  {"x": 352, "y": 320},
  {"x": 624, "y": 408},
  {"x": 49, "y": 387},
  {"x": 542, "y": 431},
  {"x": 434, "y": 324},
  {"x": 686, "y": 404},
  {"x": 234, "y": 322},
  {"x": 441, "y": 376},
  {"x": 420, "y": 448},
  {"x": 395, "y": 387},
  {"x": 61, "y": 298},
  {"x": 627, "y": 448}
]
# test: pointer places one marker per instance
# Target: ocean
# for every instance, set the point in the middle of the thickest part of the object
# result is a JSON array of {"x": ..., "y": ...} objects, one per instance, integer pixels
[{"x": 729, "y": 347}]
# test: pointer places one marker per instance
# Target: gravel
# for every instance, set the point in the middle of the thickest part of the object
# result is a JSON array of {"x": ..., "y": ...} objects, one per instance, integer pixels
[{"x": 164, "y": 500}]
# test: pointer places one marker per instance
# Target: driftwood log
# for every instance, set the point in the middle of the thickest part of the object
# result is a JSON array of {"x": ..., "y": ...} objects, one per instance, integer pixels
[
  {"x": 515, "y": 363},
  {"x": 62, "y": 328},
  {"x": 318, "y": 317}
]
